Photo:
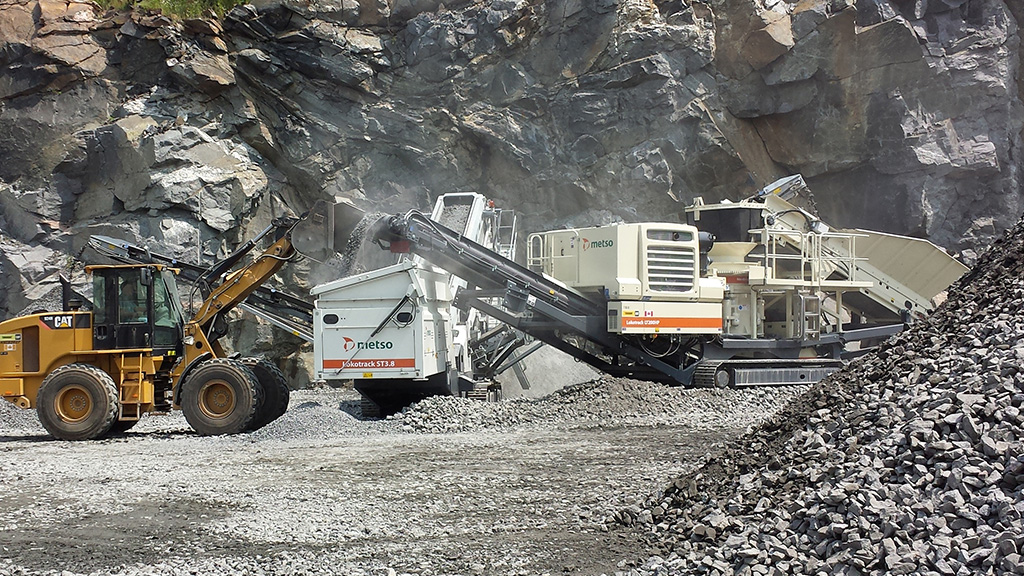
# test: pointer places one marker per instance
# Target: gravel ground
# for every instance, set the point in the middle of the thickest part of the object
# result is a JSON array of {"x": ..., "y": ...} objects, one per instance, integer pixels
[
  {"x": 447, "y": 487},
  {"x": 910, "y": 461}
]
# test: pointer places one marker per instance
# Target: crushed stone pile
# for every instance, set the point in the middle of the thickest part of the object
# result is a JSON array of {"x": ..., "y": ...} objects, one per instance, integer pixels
[
  {"x": 605, "y": 402},
  {"x": 313, "y": 414},
  {"x": 909, "y": 461},
  {"x": 16, "y": 421},
  {"x": 321, "y": 413},
  {"x": 455, "y": 217},
  {"x": 324, "y": 413}
]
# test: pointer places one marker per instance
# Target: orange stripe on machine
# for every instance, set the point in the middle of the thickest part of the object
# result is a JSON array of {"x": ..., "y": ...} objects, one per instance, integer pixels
[
  {"x": 649, "y": 322},
  {"x": 363, "y": 363}
]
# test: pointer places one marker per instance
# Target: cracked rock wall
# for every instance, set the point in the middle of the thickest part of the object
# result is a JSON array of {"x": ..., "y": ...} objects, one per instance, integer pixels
[{"x": 904, "y": 116}]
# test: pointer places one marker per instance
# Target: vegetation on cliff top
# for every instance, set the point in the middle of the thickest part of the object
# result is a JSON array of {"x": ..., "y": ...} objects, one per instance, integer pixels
[{"x": 181, "y": 8}]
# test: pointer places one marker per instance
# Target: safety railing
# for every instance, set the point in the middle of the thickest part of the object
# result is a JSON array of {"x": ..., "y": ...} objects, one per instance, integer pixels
[
  {"x": 539, "y": 256},
  {"x": 815, "y": 256}
]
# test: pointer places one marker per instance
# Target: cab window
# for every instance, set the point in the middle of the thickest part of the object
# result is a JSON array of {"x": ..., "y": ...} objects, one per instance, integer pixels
[
  {"x": 167, "y": 316},
  {"x": 99, "y": 298},
  {"x": 131, "y": 303}
]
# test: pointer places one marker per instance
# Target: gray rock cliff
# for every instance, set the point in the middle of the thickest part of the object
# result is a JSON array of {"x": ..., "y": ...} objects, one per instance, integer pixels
[{"x": 903, "y": 115}]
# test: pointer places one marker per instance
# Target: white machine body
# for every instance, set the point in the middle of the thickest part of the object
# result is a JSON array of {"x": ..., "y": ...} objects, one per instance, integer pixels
[
  {"x": 777, "y": 297},
  {"x": 649, "y": 272},
  {"x": 394, "y": 322}
]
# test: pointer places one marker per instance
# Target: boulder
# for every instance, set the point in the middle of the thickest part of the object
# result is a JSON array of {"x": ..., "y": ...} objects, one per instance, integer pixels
[{"x": 764, "y": 45}]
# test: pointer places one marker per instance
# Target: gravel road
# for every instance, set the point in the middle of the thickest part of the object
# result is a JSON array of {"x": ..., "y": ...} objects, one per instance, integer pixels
[{"x": 448, "y": 487}]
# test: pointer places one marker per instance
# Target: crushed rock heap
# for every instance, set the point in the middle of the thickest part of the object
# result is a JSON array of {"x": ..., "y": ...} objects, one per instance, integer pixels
[
  {"x": 909, "y": 461},
  {"x": 16, "y": 421},
  {"x": 605, "y": 401}
]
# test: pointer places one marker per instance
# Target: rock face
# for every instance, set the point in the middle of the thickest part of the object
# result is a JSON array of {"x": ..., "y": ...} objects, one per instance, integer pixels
[{"x": 903, "y": 116}]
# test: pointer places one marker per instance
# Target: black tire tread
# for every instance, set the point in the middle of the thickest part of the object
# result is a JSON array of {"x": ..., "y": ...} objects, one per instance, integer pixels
[
  {"x": 276, "y": 393},
  {"x": 53, "y": 424},
  {"x": 246, "y": 404},
  {"x": 368, "y": 408}
]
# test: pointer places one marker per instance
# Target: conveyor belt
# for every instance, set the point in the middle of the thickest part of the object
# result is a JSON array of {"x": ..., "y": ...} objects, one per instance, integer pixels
[{"x": 532, "y": 303}]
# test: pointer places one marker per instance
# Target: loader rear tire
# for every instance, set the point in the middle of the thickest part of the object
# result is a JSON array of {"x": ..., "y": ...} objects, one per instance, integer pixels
[
  {"x": 77, "y": 402},
  {"x": 275, "y": 391},
  {"x": 220, "y": 397}
]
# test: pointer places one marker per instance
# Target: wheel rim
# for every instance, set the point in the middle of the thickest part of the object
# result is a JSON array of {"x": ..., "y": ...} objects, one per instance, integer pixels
[
  {"x": 73, "y": 403},
  {"x": 216, "y": 399},
  {"x": 722, "y": 378}
]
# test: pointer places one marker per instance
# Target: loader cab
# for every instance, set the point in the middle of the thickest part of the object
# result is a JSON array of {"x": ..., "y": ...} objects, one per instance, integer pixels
[{"x": 137, "y": 307}]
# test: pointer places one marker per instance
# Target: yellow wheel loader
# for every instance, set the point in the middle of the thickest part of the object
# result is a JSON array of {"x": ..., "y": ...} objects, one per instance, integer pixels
[{"x": 92, "y": 373}]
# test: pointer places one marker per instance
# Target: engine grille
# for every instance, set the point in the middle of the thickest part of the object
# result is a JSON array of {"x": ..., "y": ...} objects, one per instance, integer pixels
[{"x": 671, "y": 268}]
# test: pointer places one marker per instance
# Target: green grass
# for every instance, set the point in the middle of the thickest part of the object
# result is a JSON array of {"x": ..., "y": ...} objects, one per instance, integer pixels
[{"x": 180, "y": 8}]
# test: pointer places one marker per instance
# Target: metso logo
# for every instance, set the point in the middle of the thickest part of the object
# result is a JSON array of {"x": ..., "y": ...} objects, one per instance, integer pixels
[
  {"x": 587, "y": 244},
  {"x": 351, "y": 344}
]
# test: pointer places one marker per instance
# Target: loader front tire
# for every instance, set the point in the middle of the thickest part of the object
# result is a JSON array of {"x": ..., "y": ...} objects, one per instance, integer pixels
[
  {"x": 275, "y": 391},
  {"x": 77, "y": 402},
  {"x": 220, "y": 397}
]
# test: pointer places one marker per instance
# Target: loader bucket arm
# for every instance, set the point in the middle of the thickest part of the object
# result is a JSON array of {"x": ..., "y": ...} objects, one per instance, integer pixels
[
  {"x": 239, "y": 284},
  {"x": 320, "y": 234}
]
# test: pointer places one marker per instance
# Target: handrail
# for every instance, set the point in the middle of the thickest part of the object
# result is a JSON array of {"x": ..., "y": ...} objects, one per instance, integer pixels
[
  {"x": 544, "y": 262},
  {"x": 817, "y": 260}
]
